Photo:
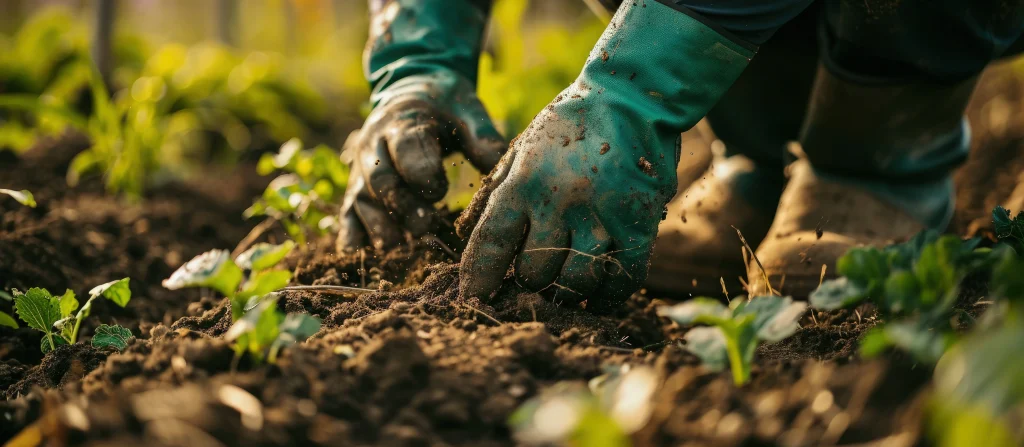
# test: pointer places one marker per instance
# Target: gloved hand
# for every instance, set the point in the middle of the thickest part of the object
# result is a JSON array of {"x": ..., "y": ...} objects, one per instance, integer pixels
[
  {"x": 574, "y": 205},
  {"x": 422, "y": 63}
]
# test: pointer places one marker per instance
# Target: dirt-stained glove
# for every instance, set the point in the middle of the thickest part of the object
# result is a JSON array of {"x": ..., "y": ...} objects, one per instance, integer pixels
[
  {"x": 422, "y": 63},
  {"x": 574, "y": 206}
]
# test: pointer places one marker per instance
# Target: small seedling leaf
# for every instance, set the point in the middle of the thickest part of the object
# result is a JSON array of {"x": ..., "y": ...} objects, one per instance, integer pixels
[
  {"x": 708, "y": 343},
  {"x": 37, "y": 308},
  {"x": 837, "y": 294},
  {"x": 23, "y": 197},
  {"x": 7, "y": 320},
  {"x": 213, "y": 269},
  {"x": 263, "y": 283},
  {"x": 111, "y": 335},
  {"x": 263, "y": 255},
  {"x": 116, "y": 291},
  {"x": 696, "y": 311},
  {"x": 775, "y": 317},
  {"x": 68, "y": 303}
]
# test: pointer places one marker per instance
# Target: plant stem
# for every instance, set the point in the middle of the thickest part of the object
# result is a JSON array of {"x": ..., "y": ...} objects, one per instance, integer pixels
[
  {"x": 82, "y": 313},
  {"x": 740, "y": 373}
]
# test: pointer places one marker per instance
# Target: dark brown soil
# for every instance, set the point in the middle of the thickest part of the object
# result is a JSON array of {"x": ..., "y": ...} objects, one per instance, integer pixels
[{"x": 410, "y": 364}]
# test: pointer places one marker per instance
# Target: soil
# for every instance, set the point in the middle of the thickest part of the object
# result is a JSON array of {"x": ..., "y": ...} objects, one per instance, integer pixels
[{"x": 408, "y": 364}]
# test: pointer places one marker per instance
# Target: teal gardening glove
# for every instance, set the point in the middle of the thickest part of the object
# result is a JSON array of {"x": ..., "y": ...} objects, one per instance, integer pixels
[
  {"x": 421, "y": 61},
  {"x": 574, "y": 205}
]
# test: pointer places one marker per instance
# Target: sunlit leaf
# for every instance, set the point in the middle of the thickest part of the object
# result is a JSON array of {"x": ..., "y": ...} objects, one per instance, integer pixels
[
  {"x": 68, "y": 303},
  {"x": 262, "y": 256},
  {"x": 116, "y": 291},
  {"x": 23, "y": 197},
  {"x": 213, "y": 269},
  {"x": 696, "y": 311}
]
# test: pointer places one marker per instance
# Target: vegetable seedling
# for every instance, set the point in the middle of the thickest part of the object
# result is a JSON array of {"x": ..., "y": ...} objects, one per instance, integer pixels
[
  {"x": 264, "y": 330},
  {"x": 1009, "y": 230},
  {"x": 215, "y": 269},
  {"x": 23, "y": 197},
  {"x": 301, "y": 199},
  {"x": 52, "y": 315},
  {"x": 734, "y": 331},
  {"x": 916, "y": 282},
  {"x": 615, "y": 405}
]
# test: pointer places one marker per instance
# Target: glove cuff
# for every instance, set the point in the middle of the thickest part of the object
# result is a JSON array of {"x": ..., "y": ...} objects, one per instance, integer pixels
[
  {"x": 664, "y": 63},
  {"x": 422, "y": 37}
]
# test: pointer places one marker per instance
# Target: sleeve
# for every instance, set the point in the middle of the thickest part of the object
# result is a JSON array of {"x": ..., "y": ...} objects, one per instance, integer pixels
[{"x": 750, "y": 22}]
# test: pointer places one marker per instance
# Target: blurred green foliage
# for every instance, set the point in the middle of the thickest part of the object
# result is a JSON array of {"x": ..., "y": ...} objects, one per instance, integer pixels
[
  {"x": 530, "y": 61},
  {"x": 173, "y": 108}
]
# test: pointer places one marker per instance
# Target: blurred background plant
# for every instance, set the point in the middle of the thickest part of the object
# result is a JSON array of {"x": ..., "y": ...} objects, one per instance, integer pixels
[{"x": 198, "y": 84}]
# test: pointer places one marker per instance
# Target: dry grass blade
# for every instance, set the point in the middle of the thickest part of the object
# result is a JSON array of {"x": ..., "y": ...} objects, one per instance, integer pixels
[{"x": 764, "y": 274}]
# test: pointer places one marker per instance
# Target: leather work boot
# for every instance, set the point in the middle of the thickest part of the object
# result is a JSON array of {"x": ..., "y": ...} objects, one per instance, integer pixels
[
  {"x": 697, "y": 246},
  {"x": 878, "y": 170},
  {"x": 817, "y": 222}
]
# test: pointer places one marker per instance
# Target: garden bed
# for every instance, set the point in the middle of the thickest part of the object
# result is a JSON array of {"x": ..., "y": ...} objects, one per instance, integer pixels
[{"x": 409, "y": 364}]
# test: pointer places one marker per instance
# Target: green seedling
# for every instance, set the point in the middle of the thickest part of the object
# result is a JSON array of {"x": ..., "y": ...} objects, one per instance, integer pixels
[
  {"x": 302, "y": 199},
  {"x": 736, "y": 330},
  {"x": 615, "y": 405},
  {"x": 264, "y": 330},
  {"x": 914, "y": 286},
  {"x": 52, "y": 315},
  {"x": 248, "y": 276},
  {"x": 1009, "y": 230},
  {"x": 23, "y": 197}
]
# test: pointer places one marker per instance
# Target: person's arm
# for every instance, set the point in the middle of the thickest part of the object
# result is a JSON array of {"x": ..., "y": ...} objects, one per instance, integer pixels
[
  {"x": 574, "y": 206},
  {"x": 421, "y": 61}
]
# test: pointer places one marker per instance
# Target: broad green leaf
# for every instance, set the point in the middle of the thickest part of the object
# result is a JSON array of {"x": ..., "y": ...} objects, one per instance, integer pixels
[
  {"x": 23, "y": 197},
  {"x": 263, "y": 283},
  {"x": 116, "y": 291},
  {"x": 7, "y": 320},
  {"x": 262, "y": 256},
  {"x": 902, "y": 291},
  {"x": 56, "y": 340},
  {"x": 708, "y": 343},
  {"x": 37, "y": 308},
  {"x": 837, "y": 294},
  {"x": 111, "y": 335},
  {"x": 213, "y": 269},
  {"x": 696, "y": 311},
  {"x": 68, "y": 303},
  {"x": 863, "y": 265},
  {"x": 775, "y": 317}
]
